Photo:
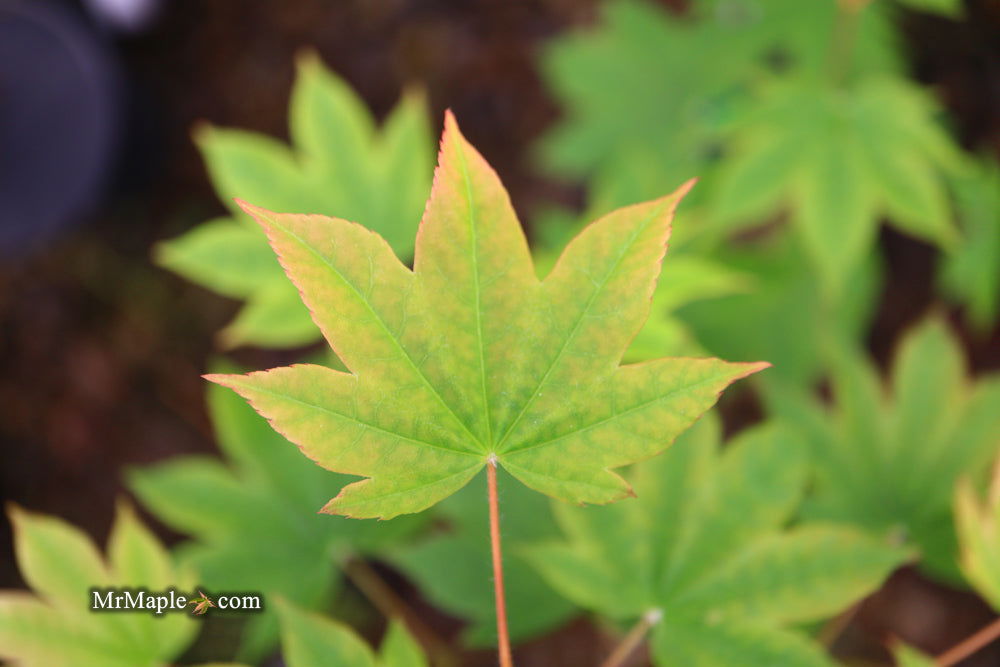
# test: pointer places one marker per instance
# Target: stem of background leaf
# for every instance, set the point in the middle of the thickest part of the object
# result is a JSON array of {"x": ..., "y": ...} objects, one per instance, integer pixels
[
  {"x": 390, "y": 605},
  {"x": 632, "y": 640},
  {"x": 842, "y": 39},
  {"x": 503, "y": 635},
  {"x": 969, "y": 645}
]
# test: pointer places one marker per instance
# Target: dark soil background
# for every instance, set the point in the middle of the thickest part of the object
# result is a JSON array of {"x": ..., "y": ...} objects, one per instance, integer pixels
[{"x": 101, "y": 352}]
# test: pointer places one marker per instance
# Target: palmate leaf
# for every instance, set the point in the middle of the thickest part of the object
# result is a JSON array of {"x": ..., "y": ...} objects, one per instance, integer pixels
[
  {"x": 469, "y": 358},
  {"x": 56, "y": 627},
  {"x": 263, "y": 502},
  {"x": 890, "y": 463},
  {"x": 640, "y": 59},
  {"x": 703, "y": 549},
  {"x": 452, "y": 568},
  {"x": 630, "y": 83},
  {"x": 978, "y": 524},
  {"x": 309, "y": 640},
  {"x": 837, "y": 161},
  {"x": 340, "y": 164}
]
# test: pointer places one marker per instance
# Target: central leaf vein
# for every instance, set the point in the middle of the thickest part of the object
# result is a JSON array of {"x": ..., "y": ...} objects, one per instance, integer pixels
[{"x": 477, "y": 287}]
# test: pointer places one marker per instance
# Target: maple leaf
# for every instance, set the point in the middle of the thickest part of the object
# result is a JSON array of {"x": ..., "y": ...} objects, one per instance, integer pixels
[
  {"x": 890, "y": 462},
  {"x": 703, "y": 555},
  {"x": 452, "y": 567},
  {"x": 630, "y": 83},
  {"x": 262, "y": 501},
  {"x": 201, "y": 603},
  {"x": 790, "y": 139},
  {"x": 469, "y": 358},
  {"x": 62, "y": 565},
  {"x": 837, "y": 163},
  {"x": 340, "y": 164},
  {"x": 309, "y": 639}
]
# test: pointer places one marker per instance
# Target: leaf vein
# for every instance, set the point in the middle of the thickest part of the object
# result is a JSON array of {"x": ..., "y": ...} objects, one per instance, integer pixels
[
  {"x": 579, "y": 321},
  {"x": 383, "y": 326},
  {"x": 478, "y": 288},
  {"x": 615, "y": 415},
  {"x": 362, "y": 423}
]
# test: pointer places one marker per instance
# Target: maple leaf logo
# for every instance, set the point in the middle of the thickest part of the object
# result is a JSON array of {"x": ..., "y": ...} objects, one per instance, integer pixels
[{"x": 201, "y": 603}]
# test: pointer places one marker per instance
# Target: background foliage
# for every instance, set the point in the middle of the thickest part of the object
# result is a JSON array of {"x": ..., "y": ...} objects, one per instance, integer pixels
[{"x": 846, "y": 228}]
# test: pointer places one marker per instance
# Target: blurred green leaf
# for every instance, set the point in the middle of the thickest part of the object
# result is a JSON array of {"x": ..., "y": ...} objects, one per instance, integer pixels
[
  {"x": 972, "y": 271},
  {"x": 400, "y": 649},
  {"x": 631, "y": 83},
  {"x": 453, "y": 568},
  {"x": 56, "y": 626},
  {"x": 907, "y": 656},
  {"x": 702, "y": 551},
  {"x": 837, "y": 160},
  {"x": 686, "y": 279},
  {"x": 265, "y": 503},
  {"x": 889, "y": 463},
  {"x": 764, "y": 113},
  {"x": 340, "y": 165},
  {"x": 310, "y": 640},
  {"x": 949, "y": 8},
  {"x": 978, "y": 524},
  {"x": 795, "y": 37},
  {"x": 782, "y": 316}
]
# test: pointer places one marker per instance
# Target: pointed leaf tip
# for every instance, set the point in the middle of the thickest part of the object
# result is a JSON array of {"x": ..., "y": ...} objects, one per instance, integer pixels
[
  {"x": 306, "y": 57},
  {"x": 686, "y": 187},
  {"x": 449, "y": 131},
  {"x": 674, "y": 199},
  {"x": 200, "y": 131},
  {"x": 452, "y": 133},
  {"x": 256, "y": 212},
  {"x": 13, "y": 510},
  {"x": 223, "y": 379},
  {"x": 751, "y": 368},
  {"x": 414, "y": 92}
]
